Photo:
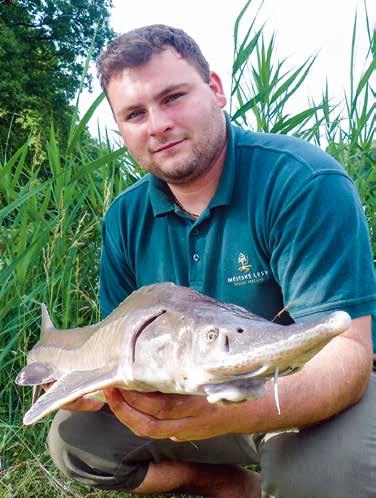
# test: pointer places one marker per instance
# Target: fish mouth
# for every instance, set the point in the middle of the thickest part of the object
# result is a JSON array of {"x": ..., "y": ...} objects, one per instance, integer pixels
[
  {"x": 263, "y": 371},
  {"x": 287, "y": 355}
]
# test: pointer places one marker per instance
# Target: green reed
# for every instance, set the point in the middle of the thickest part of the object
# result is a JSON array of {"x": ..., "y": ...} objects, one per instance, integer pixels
[{"x": 51, "y": 212}]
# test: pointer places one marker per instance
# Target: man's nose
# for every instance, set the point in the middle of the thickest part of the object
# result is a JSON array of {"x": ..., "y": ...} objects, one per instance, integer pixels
[{"x": 159, "y": 122}]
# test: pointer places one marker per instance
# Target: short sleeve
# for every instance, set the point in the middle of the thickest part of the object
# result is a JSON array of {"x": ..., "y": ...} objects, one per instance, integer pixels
[
  {"x": 321, "y": 254},
  {"x": 116, "y": 280}
]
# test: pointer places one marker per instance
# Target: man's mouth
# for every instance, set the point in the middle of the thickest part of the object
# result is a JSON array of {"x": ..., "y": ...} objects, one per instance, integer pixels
[{"x": 167, "y": 146}]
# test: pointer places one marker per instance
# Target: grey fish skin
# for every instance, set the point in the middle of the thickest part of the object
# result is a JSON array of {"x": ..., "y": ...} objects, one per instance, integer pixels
[{"x": 171, "y": 339}]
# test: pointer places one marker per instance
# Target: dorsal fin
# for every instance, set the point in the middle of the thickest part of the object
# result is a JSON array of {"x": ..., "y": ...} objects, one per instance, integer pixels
[{"x": 46, "y": 321}]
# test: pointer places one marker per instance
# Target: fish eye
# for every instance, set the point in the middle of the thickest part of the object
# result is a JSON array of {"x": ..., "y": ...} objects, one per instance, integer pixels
[{"x": 211, "y": 335}]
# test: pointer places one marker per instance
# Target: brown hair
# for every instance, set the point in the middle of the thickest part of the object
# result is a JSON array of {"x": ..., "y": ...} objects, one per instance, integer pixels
[{"x": 138, "y": 46}]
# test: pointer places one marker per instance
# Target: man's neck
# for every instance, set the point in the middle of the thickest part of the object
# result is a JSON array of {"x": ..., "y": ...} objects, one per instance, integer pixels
[{"x": 195, "y": 196}]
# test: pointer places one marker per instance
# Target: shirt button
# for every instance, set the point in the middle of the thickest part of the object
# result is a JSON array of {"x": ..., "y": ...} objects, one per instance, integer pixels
[
  {"x": 195, "y": 231},
  {"x": 196, "y": 257}
]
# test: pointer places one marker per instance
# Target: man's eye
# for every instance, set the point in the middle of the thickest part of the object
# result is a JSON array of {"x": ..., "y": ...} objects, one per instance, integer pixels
[
  {"x": 134, "y": 115},
  {"x": 173, "y": 97}
]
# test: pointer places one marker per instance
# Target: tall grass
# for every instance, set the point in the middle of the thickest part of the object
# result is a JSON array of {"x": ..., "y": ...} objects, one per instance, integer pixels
[
  {"x": 263, "y": 87},
  {"x": 50, "y": 231},
  {"x": 50, "y": 217}
]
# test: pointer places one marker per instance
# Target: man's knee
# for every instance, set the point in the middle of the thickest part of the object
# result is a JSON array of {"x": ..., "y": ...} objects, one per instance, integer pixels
[
  {"x": 81, "y": 446},
  {"x": 336, "y": 458},
  {"x": 291, "y": 470}
]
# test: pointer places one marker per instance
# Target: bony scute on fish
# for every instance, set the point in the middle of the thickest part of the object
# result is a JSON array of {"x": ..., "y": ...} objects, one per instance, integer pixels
[{"x": 172, "y": 339}]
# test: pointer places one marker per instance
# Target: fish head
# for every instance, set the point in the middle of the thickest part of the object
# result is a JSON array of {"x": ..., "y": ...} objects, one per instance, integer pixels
[{"x": 238, "y": 350}]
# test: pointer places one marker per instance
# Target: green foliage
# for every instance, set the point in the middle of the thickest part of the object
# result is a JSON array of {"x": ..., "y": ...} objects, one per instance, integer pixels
[
  {"x": 43, "y": 45},
  {"x": 49, "y": 252},
  {"x": 50, "y": 215},
  {"x": 263, "y": 87},
  {"x": 351, "y": 138}
]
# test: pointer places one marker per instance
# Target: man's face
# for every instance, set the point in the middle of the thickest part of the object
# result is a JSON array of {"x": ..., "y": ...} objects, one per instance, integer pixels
[{"x": 170, "y": 119}]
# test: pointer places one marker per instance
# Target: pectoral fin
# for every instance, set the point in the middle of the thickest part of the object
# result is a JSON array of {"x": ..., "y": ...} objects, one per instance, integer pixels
[
  {"x": 35, "y": 374},
  {"x": 69, "y": 388},
  {"x": 235, "y": 391}
]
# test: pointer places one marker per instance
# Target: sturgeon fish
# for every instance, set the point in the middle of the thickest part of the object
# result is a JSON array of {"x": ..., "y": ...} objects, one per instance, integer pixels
[{"x": 171, "y": 339}]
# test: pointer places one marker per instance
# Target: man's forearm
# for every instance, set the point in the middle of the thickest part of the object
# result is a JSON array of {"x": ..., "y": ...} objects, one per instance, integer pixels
[{"x": 333, "y": 380}]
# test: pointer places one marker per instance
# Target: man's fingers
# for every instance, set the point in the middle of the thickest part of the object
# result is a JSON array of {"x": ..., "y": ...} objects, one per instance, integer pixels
[
  {"x": 140, "y": 423},
  {"x": 166, "y": 406},
  {"x": 47, "y": 386},
  {"x": 80, "y": 404},
  {"x": 144, "y": 425},
  {"x": 83, "y": 405},
  {"x": 158, "y": 405}
]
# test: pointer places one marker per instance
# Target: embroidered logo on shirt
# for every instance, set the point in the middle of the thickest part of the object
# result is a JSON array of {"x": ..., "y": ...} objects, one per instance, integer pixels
[
  {"x": 244, "y": 275},
  {"x": 243, "y": 260}
]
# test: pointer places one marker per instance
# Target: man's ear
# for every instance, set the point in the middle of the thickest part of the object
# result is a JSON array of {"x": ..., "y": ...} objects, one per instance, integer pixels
[{"x": 215, "y": 84}]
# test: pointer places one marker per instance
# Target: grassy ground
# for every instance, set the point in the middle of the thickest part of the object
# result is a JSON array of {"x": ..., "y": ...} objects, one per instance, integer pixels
[
  {"x": 52, "y": 202},
  {"x": 27, "y": 470}
]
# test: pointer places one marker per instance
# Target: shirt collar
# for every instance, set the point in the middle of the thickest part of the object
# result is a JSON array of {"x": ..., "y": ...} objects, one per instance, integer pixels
[
  {"x": 160, "y": 195},
  {"x": 223, "y": 194}
]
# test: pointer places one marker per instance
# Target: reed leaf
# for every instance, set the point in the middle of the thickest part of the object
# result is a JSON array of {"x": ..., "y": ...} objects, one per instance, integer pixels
[
  {"x": 5, "y": 211},
  {"x": 77, "y": 130}
]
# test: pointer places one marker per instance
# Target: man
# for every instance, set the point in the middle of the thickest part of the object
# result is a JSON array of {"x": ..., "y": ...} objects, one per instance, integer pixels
[{"x": 223, "y": 207}]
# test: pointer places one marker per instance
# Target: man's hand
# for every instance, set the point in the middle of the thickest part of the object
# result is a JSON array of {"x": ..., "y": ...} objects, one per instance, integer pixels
[
  {"x": 174, "y": 416},
  {"x": 80, "y": 404},
  {"x": 83, "y": 405}
]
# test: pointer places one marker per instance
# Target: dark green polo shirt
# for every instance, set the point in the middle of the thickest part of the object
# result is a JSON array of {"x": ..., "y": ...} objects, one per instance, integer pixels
[{"x": 284, "y": 228}]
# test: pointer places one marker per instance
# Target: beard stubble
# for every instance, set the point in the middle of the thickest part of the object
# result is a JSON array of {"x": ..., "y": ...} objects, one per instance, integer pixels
[{"x": 203, "y": 155}]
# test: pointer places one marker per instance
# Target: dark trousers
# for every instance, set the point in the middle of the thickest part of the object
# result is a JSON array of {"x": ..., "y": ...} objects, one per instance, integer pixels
[{"x": 334, "y": 459}]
